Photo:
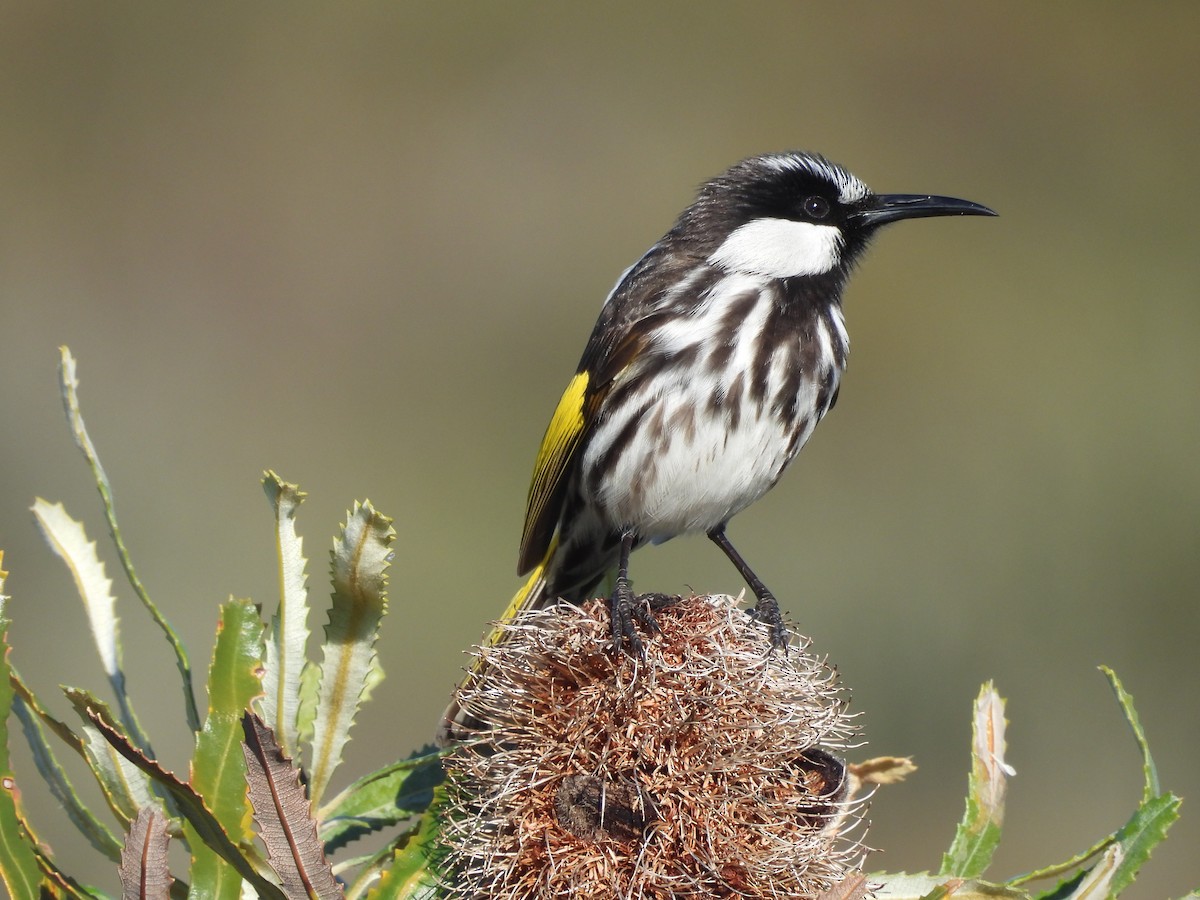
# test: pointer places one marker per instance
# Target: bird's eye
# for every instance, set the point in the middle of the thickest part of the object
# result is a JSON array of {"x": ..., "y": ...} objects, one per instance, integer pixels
[{"x": 816, "y": 207}]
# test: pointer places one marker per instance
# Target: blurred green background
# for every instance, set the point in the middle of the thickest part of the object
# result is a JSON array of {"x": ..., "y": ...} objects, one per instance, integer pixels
[{"x": 364, "y": 246}]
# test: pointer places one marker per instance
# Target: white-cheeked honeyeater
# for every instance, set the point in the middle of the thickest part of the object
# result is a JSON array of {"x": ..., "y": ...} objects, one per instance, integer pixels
[{"x": 713, "y": 359}]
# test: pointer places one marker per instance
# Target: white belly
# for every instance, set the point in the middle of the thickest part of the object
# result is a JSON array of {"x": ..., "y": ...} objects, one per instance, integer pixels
[
  {"x": 689, "y": 471},
  {"x": 697, "y": 443}
]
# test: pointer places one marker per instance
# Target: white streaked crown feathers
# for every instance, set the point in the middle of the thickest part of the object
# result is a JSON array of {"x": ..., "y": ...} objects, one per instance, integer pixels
[{"x": 850, "y": 188}]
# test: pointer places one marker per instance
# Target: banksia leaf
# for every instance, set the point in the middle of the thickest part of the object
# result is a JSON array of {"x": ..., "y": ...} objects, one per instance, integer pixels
[
  {"x": 853, "y": 887},
  {"x": 360, "y": 559},
  {"x": 882, "y": 770},
  {"x": 285, "y": 823},
  {"x": 69, "y": 383},
  {"x": 144, "y": 872},
  {"x": 1146, "y": 828},
  {"x": 18, "y": 866},
  {"x": 371, "y": 868},
  {"x": 125, "y": 787},
  {"x": 58, "y": 884},
  {"x": 385, "y": 797},
  {"x": 979, "y": 832},
  {"x": 218, "y": 774},
  {"x": 413, "y": 872},
  {"x": 1150, "y": 788},
  {"x": 192, "y": 807},
  {"x": 31, "y": 716},
  {"x": 1097, "y": 884},
  {"x": 310, "y": 686},
  {"x": 1141, "y": 834},
  {"x": 66, "y": 536},
  {"x": 923, "y": 886},
  {"x": 1155, "y": 814},
  {"x": 288, "y": 635}
]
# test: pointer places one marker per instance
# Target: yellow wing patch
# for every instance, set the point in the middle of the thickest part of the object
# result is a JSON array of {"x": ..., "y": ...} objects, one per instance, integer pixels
[{"x": 549, "y": 473}]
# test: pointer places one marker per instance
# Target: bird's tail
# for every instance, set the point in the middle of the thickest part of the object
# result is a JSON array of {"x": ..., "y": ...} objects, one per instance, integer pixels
[{"x": 532, "y": 595}]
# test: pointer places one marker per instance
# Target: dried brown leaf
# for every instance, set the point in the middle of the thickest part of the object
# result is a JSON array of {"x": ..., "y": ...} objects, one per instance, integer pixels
[
  {"x": 852, "y": 887},
  {"x": 883, "y": 769},
  {"x": 144, "y": 873},
  {"x": 284, "y": 816}
]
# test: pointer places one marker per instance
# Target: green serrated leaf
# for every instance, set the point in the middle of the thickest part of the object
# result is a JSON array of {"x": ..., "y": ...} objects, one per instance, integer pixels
[
  {"x": 360, "y": 559},
  {"x": 218, "y": 769},
  {"x": 34, "y": 719},
  {"x": 69, "y": 384},
  {"x": 369, "y": 868},
  {"x": 60, "y": 729},
  {"x": 1097, "y": 883},
  {"x": 923, "y": 886},
  {"x": 1064, "y": 888},
  {"x": 1141, "y": 834},
  {"x": 97, "y": 833},
  {"x": 192, "y": 807},
  {"x": 19, "y": 871},
  {"x": 414, "y": 872},
  {"x": 384, "y": 798},
  {"x": 1138, "y": 837},
  {"x": 978, "y": 834},
  {"x": 60, "y": 885},
  {"x": 288, "y": 637},
  {"x": 310, "y": 687},
  {"x": 375, "y": 676},
  {"x": 1150, "y": 788},
  {"x": 1155, "y": 814},
  {"x": 1057, "y": 870},
  {"x": 126, "y": 788}
]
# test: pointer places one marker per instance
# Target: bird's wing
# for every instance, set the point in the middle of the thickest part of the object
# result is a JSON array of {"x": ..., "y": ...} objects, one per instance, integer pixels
[
  {"x": 551, "y": 471},
  {"x": 616, "y": 341},
  {"x": 606, "y": 356}
]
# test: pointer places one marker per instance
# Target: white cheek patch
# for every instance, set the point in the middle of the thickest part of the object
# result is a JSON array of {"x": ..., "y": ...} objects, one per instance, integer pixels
[{"x": 780, "y": 248}]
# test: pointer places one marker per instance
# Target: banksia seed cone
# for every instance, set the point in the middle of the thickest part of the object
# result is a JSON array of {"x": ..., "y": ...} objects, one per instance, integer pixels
[{"x": 704, "y": 769}]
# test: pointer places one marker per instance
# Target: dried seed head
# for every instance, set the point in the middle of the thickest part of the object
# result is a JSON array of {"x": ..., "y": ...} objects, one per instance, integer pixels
[
  {"x": 708, "y": 768},
  {"x": 593, "y": 809}
]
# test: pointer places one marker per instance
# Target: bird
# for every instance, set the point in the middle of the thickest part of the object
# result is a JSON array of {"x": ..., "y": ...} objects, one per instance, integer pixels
[{"x": 713, "y": 358}]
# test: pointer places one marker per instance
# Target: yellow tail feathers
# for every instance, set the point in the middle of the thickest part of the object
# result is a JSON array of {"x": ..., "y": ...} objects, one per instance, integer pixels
[{"x": 532, "y": 595}]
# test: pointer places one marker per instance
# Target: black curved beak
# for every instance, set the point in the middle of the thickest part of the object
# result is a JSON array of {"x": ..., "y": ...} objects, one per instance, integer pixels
[{"x": 883, "y": 208}]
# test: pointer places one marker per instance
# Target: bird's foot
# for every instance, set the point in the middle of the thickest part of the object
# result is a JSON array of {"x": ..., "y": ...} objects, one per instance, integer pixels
[
  {"x": 621, "y": 608},
  {"x": 766, "y": 611},
  {"x": 628, "y": 611}
]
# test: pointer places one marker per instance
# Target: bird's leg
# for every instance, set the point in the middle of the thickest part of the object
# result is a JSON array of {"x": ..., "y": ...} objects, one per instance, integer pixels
[
  {"x": 624, "y": 607},
  {"x": 766, "y": 607}
]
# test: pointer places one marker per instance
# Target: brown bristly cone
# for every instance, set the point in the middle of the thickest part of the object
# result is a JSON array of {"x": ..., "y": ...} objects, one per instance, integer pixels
[{"x": 706, "y": 769}]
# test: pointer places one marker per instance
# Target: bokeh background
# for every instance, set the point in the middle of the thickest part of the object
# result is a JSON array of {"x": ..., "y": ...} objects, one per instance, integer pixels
[{"x": 364, "y": 245}]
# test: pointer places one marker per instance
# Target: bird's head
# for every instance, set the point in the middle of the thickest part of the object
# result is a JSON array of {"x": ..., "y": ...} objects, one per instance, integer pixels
[{"x": 789, "y": 215}]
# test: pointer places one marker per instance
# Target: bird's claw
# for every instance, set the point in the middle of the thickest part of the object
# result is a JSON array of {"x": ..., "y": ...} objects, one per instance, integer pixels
[
  {"x": 628, "y": 611},
  {"x": 766, "y": 611}
]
